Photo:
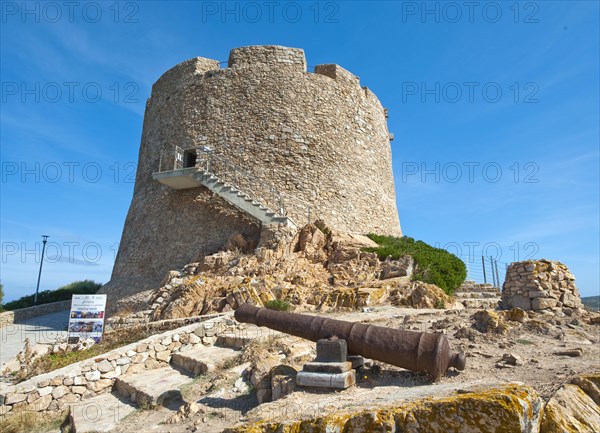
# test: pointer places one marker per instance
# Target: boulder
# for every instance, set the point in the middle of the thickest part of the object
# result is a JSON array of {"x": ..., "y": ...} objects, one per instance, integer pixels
[
  {"x": 424, "y": 295},
  {"x": 513, "y": 408},
  {"x": 543, "y": 303},
  {"x": 517, "y": 315},
  {"x": 283, "y": 381},
  {"x": 239, "y": 242},
  {"x": 311, "y": 241},
  {"x": 489, "y": 321},
  {"x": 571, "y": 410}
]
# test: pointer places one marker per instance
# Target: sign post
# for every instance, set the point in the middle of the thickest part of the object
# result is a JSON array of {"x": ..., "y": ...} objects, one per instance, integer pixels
[{"x": 87, "y": 318}]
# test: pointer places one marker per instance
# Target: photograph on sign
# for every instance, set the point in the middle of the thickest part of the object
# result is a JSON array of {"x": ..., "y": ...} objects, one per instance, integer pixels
[{"x": 86, "y": 319}]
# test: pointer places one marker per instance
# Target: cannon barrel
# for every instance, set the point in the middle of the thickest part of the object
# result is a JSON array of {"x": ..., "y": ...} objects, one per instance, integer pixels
[{"x": 418, "y": 351}]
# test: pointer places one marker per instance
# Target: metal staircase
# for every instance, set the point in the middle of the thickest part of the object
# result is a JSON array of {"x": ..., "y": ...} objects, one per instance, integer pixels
[{"x": 193, "y": 177}]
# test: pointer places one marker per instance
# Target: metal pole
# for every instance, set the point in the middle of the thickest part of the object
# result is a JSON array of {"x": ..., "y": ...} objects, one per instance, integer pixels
[
  {"x": 493, "y": 275},
  {"x": 483, "y": 265},
  {"x": 37, "y": 289},
  {"x": 497, "y": 276}
]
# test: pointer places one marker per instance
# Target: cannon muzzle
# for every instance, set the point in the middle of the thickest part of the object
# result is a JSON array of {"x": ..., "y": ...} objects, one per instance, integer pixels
[{"x": 418, "y": 351}]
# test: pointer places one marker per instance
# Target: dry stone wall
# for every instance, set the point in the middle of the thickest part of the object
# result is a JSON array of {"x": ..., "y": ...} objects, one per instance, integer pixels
[
  {"x": 539, "y": 285},
  {"x": 315, "y": 144},
  {"x": 76, "y": 383}
]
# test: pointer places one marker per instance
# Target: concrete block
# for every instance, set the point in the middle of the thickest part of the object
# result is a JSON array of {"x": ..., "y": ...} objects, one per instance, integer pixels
[
  {"x": 326, "y": 380},
  {"x": 332, "y": 350},
  {"x": 356, "y": 360},
  {"x": 327, "y": 367}
]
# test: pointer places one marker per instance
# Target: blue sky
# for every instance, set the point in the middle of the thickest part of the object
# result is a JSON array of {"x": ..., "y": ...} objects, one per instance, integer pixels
[{"x": 495, "y": 112}]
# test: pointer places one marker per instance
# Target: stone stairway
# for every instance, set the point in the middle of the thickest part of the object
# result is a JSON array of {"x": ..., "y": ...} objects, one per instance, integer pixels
[
  {"x": 146, "y": 389},
  {"x": 477, "y": 295},
  {"x": 194, "y": 177}
]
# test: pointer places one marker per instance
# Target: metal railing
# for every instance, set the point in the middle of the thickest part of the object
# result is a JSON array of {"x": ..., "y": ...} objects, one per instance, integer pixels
[{"x": 258, "y": 188}]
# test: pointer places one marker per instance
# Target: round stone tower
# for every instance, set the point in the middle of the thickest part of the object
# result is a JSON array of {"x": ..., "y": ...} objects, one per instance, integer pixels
[{"x": 261, "y": 141}]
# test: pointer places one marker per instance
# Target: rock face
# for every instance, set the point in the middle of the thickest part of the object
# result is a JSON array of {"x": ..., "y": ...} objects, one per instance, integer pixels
[
  {"x": 319, "y": 140},
  {"x": 309, "y": 269},
  {"x": 574, "y": 408},
  {"x": 539, "y": 285}
]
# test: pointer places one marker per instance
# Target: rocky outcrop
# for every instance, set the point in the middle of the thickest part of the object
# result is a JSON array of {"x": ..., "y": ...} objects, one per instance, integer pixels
[
  {"x": 574, "y": 408},
  {"x": 315, "y": 268},
  {"x": 424, "y": 295},
  {"x": 511, "y": 408},
  {"x": 540, "y": 285}
]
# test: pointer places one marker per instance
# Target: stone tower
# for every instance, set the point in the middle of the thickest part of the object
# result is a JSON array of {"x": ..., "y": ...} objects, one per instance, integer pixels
[{"x": 262, "y": 141}]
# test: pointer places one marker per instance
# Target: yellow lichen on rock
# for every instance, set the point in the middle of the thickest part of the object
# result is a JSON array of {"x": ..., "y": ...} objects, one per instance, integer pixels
[
  {"x": 489, "y": 321},
  {"x": 509, "y": 409}
]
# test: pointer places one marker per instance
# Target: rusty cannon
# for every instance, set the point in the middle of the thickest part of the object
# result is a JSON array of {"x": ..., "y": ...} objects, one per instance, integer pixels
[{"x": 418, "y": 351}]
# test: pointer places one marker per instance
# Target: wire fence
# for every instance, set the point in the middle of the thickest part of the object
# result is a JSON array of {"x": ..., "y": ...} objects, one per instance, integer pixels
[{"x": 485, "y": 270}]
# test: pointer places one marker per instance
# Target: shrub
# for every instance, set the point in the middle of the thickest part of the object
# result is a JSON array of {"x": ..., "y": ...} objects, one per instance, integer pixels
[
  {"x": 277, "y": 304},
  {"x": 432, "y": 265},
  {"x": 1, "y": 296},
  {"x": 64, "y": 293}
]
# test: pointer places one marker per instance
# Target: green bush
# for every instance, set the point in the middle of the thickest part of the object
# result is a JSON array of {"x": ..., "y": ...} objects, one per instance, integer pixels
[
  {"x": 1, "y": 296},
  {"x": 432, "y": 265},
  {"x": 86, "y": 287},
  {"x": 278, "y": 305}
]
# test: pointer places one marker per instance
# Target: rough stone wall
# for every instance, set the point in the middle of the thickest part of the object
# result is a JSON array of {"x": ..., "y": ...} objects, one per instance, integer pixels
[
  {"x": 539, "y": 285},
  {"x": 75, "y": 383},
  {"x": 319, "y": 139}
]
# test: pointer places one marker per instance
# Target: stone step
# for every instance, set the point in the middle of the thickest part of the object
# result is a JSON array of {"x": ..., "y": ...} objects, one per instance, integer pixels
[
  {"x": 477, "y": 287},
  {"x": 244, "y": 337},
  {"x": 101, "y": 413},
  {"x": 480, "y": 302},
  {"x": 204, "y": 359},
  {"x": 151, "y": 388},
  {"x": 477, "y": 294}
]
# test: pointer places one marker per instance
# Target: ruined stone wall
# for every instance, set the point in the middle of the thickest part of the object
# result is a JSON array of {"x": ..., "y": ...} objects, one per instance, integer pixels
[
  {"x": 319, "y": 140},
  {"x": 540, "y": 285}
]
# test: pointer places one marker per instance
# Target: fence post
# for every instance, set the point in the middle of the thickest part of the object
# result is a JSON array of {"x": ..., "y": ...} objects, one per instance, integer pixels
[
  {"x": 494, "y": 284},
  {"x": 497, "y": 276},
  {"x": 483, "y": 265}
]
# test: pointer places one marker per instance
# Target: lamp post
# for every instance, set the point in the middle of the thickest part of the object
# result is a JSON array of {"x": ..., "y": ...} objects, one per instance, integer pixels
[{"x": 37, "y": 289}]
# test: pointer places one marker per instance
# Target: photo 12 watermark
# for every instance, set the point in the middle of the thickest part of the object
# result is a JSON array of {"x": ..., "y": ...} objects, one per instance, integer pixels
[
  {"x": 54, "y": 12},
  {"x": 67, "y": 171},
  {"x": 470, "y": 171},
  {"x": 252, "y": 12},
  {"x": 53, "y": 92},
  {"x": 471, "y": 92},
  {"x": 456, "y": 12},
  {"x": 74, "y": 252},
  {"x": 473, "y": 251}
]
